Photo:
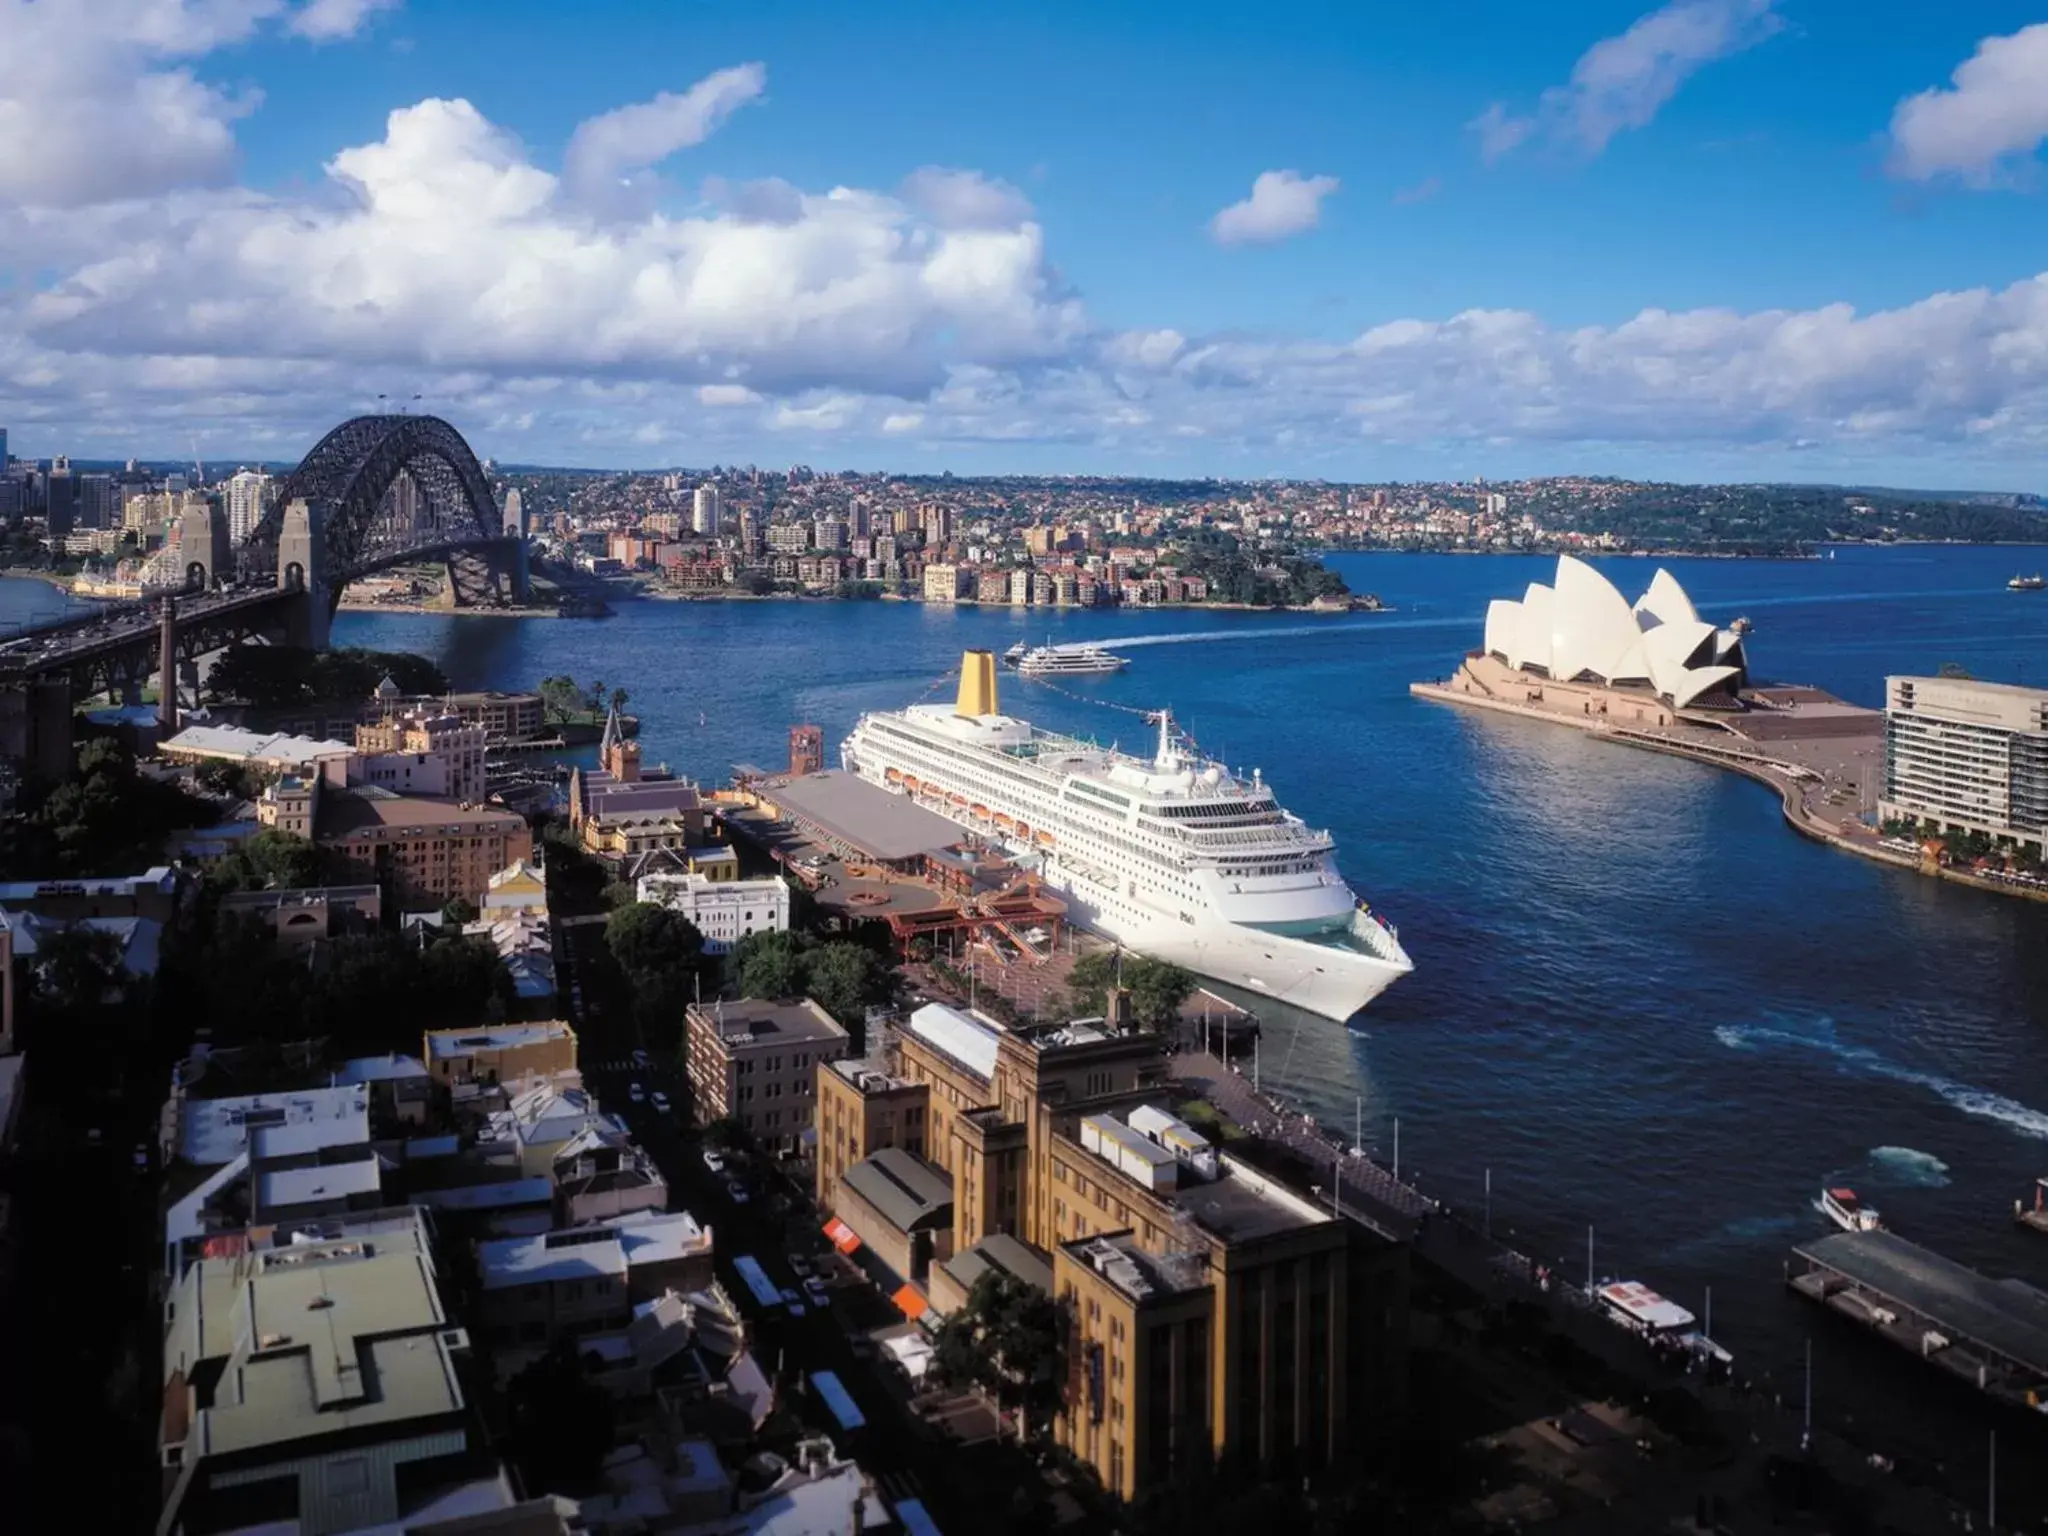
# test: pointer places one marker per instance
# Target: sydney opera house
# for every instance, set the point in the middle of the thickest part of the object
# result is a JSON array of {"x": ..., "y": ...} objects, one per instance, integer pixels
[{"x": 1578, "y": 643}]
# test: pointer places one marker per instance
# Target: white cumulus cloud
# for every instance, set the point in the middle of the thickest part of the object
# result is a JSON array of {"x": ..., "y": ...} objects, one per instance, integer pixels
[
  {"x": 610, "y": 158},
  {"x": 1282, "y": 203},
  {"x": 1994, "y": 114},
  {"x": 1622, "y": 82},
  {"x": 324, "y": 21}
]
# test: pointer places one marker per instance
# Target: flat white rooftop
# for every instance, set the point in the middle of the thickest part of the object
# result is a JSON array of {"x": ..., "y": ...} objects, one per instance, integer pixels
[
  {"x": 443, "y": 1044},
  {"x": 578, "y": 1253},
  {"x": 212, "y": 1131}
]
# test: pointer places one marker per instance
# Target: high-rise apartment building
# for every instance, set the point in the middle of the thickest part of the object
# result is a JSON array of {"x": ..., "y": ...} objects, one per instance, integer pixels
[
  {"x": 831, "y": 534},
  {"x": 704, "y": 511},
  {"x": 3, "y": 447},
  {"x": 1968, "y": 756},
  {"x": 249, "y": 493},
  {"x": 860, "y": 518},
  {"x": 515, "y": 515},
  {"x": 752, "y": 540}
]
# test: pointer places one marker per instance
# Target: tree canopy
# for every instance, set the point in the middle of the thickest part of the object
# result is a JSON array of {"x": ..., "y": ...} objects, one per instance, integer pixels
[
  {"x": 287, "y": 676},
  {"x": 660, "y": 952},
  {"x": 106, "y": 818},
  {"x": 271, "y": 860},
  {"x": 1157, "y": 987},
  {"x": 842, "y": 976},
  {"x": 1007, "y": 1339}
]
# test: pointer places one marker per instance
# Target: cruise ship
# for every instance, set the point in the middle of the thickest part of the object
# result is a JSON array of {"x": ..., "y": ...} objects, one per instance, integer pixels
[{"x": 1172, "y": 856}]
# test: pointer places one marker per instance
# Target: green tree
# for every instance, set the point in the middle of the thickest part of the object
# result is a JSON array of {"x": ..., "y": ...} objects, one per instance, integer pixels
[
  {"x": 458, "y": 912},
  {"x": 619, "y": 697},
  {"x": 1158, "y": 988},
  {"x": 769, "y": 965},
  {"x": 271, "y": 860},
  {"x": 844, "y": 978},
  {"x": 660, "y": 951},
  {"x": 561, "y": 697},
  {"x": 1007, "y": 1339},
  {"x": 724, "y": 1134}
]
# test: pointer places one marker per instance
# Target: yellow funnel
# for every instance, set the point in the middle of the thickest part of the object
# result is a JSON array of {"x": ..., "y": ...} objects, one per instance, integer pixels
[{"x": 977, "y": 683}]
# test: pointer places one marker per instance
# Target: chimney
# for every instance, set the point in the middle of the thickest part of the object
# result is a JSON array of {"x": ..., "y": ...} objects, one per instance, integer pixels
[{"x": 977, "y": 684}]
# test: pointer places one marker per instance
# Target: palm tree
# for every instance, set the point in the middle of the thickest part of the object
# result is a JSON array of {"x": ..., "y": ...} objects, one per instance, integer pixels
[
  {"x": 619, "y": 700},
  {"x": 597, "y": 696}
]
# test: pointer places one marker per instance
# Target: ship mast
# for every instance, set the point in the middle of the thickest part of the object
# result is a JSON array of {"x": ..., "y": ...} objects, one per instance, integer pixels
[{"x": 1168, "y": 758}]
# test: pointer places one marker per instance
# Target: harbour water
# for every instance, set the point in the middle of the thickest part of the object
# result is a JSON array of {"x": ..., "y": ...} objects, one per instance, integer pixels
[{"x": 1640, "y": 1000}]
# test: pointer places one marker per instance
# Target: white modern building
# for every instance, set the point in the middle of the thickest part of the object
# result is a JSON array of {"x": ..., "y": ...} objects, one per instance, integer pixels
[
  {"x": 1968, "y": 755},
  {"x": 724, "y": 911},
  {"x": 704, "y": 511},
  {"x": 249, "y": 494},
  {"x": 1582, "y": 630}
]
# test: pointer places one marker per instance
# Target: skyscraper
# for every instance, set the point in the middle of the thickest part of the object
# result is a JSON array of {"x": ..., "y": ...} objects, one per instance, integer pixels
[
  {"x": 860, "y": 518},
  {"x": 249, "y": 494},
  {"x": 3, "y": 447},
  {"x": 98, "y": 506},
  {"x": 60, "y": 498},
  {"x": 704, "y": 511},
  {"x": 515, "y": 515}
]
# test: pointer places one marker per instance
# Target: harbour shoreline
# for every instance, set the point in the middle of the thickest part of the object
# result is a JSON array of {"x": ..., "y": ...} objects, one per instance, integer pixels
[{"x": 1789, "y": 781}]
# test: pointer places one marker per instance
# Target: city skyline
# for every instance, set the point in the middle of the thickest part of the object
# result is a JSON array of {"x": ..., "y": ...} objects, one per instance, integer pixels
[{"x": 1717, "y": 240}]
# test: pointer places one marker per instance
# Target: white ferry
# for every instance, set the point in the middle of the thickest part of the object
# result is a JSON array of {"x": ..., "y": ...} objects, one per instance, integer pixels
[
  {"x": 1845, "y": 1208},
  {"x": 1171, "y": 855},
  {"x": 2034, "y": 583},
  {"x": 1069, "y": 661},
  {"x": 1665, "y": 1324}
]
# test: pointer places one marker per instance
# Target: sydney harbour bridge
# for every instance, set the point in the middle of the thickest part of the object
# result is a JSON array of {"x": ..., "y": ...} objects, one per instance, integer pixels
[{"x": 376, "y": 492}]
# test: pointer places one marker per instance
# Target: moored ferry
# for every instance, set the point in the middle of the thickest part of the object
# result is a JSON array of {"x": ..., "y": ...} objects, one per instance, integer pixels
[
  {"x": 1172, "y": 855},
  {"x": 1846, "y": 1209}
]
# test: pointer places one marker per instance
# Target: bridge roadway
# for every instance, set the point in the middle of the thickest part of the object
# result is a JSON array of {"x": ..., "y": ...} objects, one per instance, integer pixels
[{"x": 89, "y": 640}]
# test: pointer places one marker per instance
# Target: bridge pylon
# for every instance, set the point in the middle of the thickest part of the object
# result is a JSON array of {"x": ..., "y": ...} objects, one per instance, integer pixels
[{"x": 302, "y": 567}]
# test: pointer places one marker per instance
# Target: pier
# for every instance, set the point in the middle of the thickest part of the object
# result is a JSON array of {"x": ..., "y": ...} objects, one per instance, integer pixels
[{"x": 1992, "y": 1334}]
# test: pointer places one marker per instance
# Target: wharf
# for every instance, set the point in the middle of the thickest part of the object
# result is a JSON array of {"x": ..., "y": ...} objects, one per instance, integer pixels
[{"x": 1990, "y": 1333}]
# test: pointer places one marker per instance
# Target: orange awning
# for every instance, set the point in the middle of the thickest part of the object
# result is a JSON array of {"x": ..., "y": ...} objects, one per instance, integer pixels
[
  {"x": 844, "y": 1238},
  {"x": 909, "y": 1302}
]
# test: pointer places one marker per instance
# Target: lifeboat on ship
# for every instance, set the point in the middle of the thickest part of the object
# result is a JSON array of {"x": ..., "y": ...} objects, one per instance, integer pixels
[
  {"x": 1003, "y": 820},
  {"x": 978, "y": 812},
  {"x": 1024, "y": 830},
  {"x": 894, "y": 775},
  {"x": 911, "y": 782},
  {"x": 1043, "y": 838},
  {"x": 959, "y": 800}
]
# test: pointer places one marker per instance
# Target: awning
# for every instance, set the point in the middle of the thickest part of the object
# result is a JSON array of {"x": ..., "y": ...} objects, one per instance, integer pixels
[
  {"x": 844, "y": 1238},
  {"x": 910, "y": 1301}
]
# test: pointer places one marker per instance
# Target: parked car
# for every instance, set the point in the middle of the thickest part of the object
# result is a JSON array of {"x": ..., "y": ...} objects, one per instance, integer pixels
[
  {"x": 737, "y": 1190},
  {"x": 636, "y": 1093},
  {"x": 800, "y": 1266},
  {"x": 816, "y": 1290},
  {"x": 640, "y": 1057},
  {"x": 660, "y": 1101},
  {"x": 794, "y": 1302},
  {"x": 713, "y": 1161}
]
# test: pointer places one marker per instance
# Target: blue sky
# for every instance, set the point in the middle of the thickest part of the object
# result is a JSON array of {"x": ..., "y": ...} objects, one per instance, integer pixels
[{"x": 1638, "y": 273}]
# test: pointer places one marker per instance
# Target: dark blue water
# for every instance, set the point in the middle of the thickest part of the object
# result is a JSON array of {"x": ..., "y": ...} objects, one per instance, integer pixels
[{"x": 1640, "y": 999}]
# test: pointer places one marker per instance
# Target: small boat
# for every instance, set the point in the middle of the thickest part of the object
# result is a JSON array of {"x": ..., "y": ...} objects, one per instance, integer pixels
[
  {"x": 1743, "y": 626},
  {"x": 1016, "y": 653},
  {"x": 1069, "y": 661},
  {"x": 1845, "y": 1208},
  {"x": 2033, "y": 583}
]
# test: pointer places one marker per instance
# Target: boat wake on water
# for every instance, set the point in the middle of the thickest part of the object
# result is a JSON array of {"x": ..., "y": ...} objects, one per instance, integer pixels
[
  {"x": 1198, "y": 636},
  {"x": 1910, "y": 1166},
  {"x": 1971, "y": 1100}
]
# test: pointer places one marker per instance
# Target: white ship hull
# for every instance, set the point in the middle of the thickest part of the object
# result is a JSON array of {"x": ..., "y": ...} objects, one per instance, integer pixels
[{"x": 1324, "y": 979}]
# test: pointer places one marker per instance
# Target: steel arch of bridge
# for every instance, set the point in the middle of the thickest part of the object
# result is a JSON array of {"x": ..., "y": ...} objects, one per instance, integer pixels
[{"x": 352, "y": 469}]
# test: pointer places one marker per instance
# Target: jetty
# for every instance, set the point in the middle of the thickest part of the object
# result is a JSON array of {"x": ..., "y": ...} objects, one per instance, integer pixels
[
  {"x": 1989, "y": 1333},
  {"x": 2036, "y": 1215}
]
